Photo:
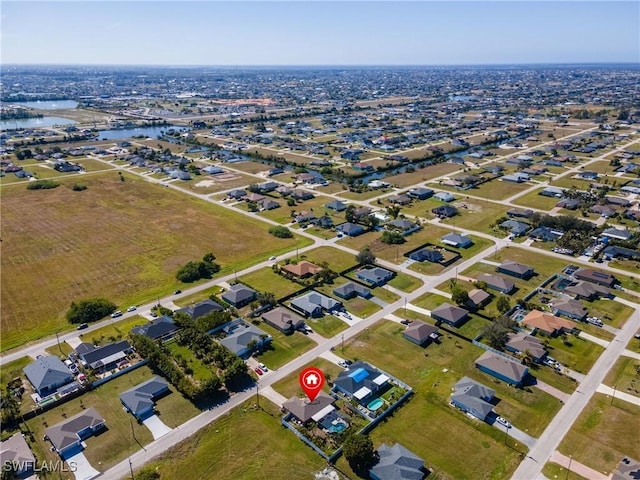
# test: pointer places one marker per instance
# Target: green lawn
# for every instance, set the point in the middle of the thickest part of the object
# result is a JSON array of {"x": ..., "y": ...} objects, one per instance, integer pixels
[
  {"x": 61, "y": 350},
  {"x": 406, "y": 283},
  {"x": 625, "y": 376},
  {"x": 535, "y": 200},
  {"x": 578, "y": 354},
  {"x": 338, "y": 260},
  {"x": 479, "y": 215},
  {"x": 470, "y": 449},
  {"x": 284, "y": 348},
  {"x": 498, "y": 190},
  {"x": 247, "y": 443},
  {"x": 201, "y": 372},
  {"x": 430, "y": 301},
  {"x": 198, "y": 296},
  {"x": 265, "y": 280},
  {"x": 605, "y": 432},
  {"x": 328, "y": 325},
  {"x": 113, "y": 332},
  {"x": 117, "y": 442},
  {"x": 11, "y": 370},
  {"x": 609, "y": 311}
]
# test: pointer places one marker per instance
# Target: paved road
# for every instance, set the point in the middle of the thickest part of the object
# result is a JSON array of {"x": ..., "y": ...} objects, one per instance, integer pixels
[{"x": 548, "y": 442}]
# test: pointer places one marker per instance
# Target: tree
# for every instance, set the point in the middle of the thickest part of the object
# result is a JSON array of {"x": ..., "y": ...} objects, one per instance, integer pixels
[
  {"x": 89, "y": 310},
  {"x": 459, "y": 296},
  {"x": 503, "y": 305},
  {"x": 280, "y": 232},
  {"x": 393, "y": 210},
  {"x": 350, "y": 213},
  {"x": 392, "y": 238},
  {"x": 147, "y": 473},
  {"x": 366, "y": 256},
  {"x": 358, "y": 450},
  {"x": 497, "y": 334}
]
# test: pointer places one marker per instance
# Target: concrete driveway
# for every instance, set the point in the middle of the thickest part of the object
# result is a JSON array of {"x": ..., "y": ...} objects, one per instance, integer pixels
[
  {"x": 155, "y": 426},
  {"x": 81, "y": 467}
]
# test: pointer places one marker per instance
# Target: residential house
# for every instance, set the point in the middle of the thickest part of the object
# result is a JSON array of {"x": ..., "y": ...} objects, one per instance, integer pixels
[
  {"x": 457, "y": 240},
  {"x": 140, "y": 400},
  {"x": 162, "y": 328},
  {"x": 427, "y": 255},
  {"x": 47, "y": 374},
  {"x": 66, "y": 436},
  {"x": 618, "y": 234},
  {"x": 283, "y": 319},
  {"x": 473, "y": 397},
  {"x": 236, "y": 194},
  {"x": 336, "y": 205},
  {"x": 620, "y": 252},
  {"x": 496, "y": 282},
  {"x": 515, "y": 269},
  {"x": 305, "y": 411},
  {"x": 201, "y": 309},
  {"x": 547, "y": 323},
  {"x": 314, "y": 304},
  {"x": 302, "y": 269},
  {"x": 515, "y": 227},
  {"x": 444, "y": 197},
  {"x": 596, "y": 277},
  {"x": 570, "y": 308},
  {"x": 568, "y": 203},
  {"x": 450, "y": 314},
  {"x": 420, "y": 193},
  {"x": 517, "y": 177},
  {"x": 302, "y": 195},
  {"x": 268, "y": 204},
  {"x": 478, "y": 298},
  {"x": 375, "y": 276},
  {"x": 545, "y": 234},
  {"x": 350, "y": 229},
  {"x": 404, "y": 226},
  {"x": 552, "y": 192},
  {"x": 105, "y": 357},
  {"x": 242, "y": 336},
  {"x": 305, "y": 217},
  {"x": 401, "y": 199},
  {"x": 351, "y": 290},
  {"x": 519, "y": 213},
  {"x": 397, "y": 463},
  {"x": 360, "y": 381},
  {"x": 502, "y": 368},
  {"x": 588, "y": 291},
  {"x": 420, "y": 333},
  {"x": 445, "y": 211},
  {"x": 605, "y": 211},
  {"x": 239, "y": 295},
  {"x": 15, "y": 452},
  {"x": 522, "y": 342}
]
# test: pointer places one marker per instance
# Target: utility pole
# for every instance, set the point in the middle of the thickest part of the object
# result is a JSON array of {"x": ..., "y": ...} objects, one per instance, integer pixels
[
  {"x": 343, "y": 343},
  {"x": 58, "y": 338},
  {"x": 131, "y": 469},
  {"x": 614, "y": 395},
  {"x": 257, "y": 396}
]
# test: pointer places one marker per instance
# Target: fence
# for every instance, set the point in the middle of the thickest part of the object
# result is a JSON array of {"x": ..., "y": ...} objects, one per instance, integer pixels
[{"x": 118, "y": 373}]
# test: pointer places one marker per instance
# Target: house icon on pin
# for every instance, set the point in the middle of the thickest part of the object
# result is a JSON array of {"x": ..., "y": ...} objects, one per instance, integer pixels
[{"x": 312, "y": 379}]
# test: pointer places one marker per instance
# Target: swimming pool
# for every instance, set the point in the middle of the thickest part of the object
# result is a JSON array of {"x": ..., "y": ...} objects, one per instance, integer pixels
[
  {"x": 375, "y": 404},
  {"x": 338, "y": 427}
]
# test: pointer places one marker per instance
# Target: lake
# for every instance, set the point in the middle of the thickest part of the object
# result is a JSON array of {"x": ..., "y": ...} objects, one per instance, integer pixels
[
  {"x": 34, "y": 123},
  {"x": 49, "y": 104},
  {"x": 152, "y": 132}
]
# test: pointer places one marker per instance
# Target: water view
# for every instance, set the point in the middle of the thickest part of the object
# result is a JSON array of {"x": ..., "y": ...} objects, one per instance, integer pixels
[
  {"x": 34, "y": 123},
  {"x": 49, "y": 104},
  {"x": 152, "y": 132}
]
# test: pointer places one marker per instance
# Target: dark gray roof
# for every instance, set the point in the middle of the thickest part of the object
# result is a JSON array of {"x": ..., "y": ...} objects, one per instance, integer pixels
[
  {"x": 15, "y": 449},
  {"x": 65, "y": 433},
  {"x": 497, "y": 282},
  {"x": 473, "y": 396},
  {"x": 47, "y": 371},
  {"x": 374, "y": 274},
  {"x": 240, "y": 334},
  {"x": 238, "y": 293},
  {"x": 522, "y": 341},
  {"x": 284, "y": 318},
  {"x": 455, "y": 239},
  {"x": 349, "y": 228},
  {"x": 518, "y": 268},
  {"x": 348, "y": 288},
  {"x": 201, "y": 308},
  {"x": 94, "y": 357},
  {"x": 449, "y": 312},
  {"x": 419, "y": 331},
  {"x": 141, "y": 397},
  {"x": 310, "y": 301},
  {"x": 157, "y": 328},
  {"x": 398, "y": 463}
]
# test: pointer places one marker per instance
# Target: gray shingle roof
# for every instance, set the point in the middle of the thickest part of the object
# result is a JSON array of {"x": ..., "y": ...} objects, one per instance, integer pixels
[
  {"x": 141, "y": 397},
  {"x": 398, "y": 463},
  {"x": 65, "y": 433},
  {"x": 46, "y": 372}
]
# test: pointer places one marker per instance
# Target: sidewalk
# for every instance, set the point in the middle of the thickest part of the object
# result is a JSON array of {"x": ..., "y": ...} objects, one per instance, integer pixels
[
  {"x": 577, "y": 467},
  {"x": 271, "y": 394},
  {"x": 618, "y": 394},
  {"x": 545, "y": 387},
  {"x": 591, "y": 338}
]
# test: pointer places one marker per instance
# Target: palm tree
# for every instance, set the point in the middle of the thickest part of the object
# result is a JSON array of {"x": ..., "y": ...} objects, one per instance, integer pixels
[{"x": 527, "y": 358}]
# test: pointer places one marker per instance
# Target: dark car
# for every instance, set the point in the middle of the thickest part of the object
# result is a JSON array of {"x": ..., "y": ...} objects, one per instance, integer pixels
[
  {"x": 82, "y": 326},
  {"x": 177, "y": 292}
]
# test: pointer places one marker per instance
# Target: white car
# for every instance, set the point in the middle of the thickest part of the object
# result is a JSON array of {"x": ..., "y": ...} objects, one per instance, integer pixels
[
  {"x": 263, "y": 367},
  {"x": 272, "y": 258},
  {"x": 116, "y": 314},
  {"x": 503, "y": 421},
  {"x": 131, "y": 309}
]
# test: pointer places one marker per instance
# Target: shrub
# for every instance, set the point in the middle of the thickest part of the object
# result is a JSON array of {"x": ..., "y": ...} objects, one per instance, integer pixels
[
  {"x": 89, "y": 310},
  {"x": 78, "y": 188},
  {"x": 280, "y": 232},
  {"x": 42, "y": 185}
]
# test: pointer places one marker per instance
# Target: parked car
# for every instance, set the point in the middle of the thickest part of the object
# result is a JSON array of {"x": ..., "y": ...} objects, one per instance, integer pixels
[
  {"x": 82, "y": 326},
  {"x": 131, "y": 309},
  {"x": 74, "y": 369},
  {"x": 258, "y": 370},
  {"x": 503, "y": 421},
  {"x": 177, "y": 292},
  {"x": 272, "y": 257},
  {"x": 116, "y": 314},
  {"x": 263, "y": 367},
  {"x": 154, "y": 314}
]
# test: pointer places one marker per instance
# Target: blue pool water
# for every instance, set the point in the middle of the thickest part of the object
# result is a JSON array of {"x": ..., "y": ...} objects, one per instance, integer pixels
[
  {"x": 375, "y": 404},
  {"x": 338, "y": 427}
]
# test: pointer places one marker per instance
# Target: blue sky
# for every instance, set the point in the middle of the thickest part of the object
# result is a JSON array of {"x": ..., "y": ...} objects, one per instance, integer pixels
[{"x": 318, "y": 32}]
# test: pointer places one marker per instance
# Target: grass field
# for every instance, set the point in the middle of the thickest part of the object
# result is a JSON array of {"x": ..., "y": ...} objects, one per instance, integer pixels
[
  {"x": 113, "y": 332},
  {"x": 625, "y": 376},
  {"x": 265, "y": 280},
  {"x": 603, "y": 434},
  {"x": 290, "y": 385},
  {"x": 578, "y": 354},
  {"x": 498, "y": 190},
  {"x": 62, "y": 350},
  {"x": 406, "y": 283},
  {"x": 114, "y": 444},
  {"x": 247, "y": 443},
  {"x": 284, "y": 348},
  {"x": 13, "y": 369},
  {"x": 535, "y": 200},
  {"x": 554, "y": 471},
  {"x": 471, "y": 449},
  {"x": 477, "y": 215},
  {"x": 338, "y": 260},
  {"x": 122, "y": 240}
]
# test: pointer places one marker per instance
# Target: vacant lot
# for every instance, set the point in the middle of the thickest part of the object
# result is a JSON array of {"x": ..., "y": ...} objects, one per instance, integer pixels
[
  {"x": 122, "y": 240},
  {"x": 284, "y": 348},
  {"x": 604, "y": 433},
  {"x": 338, "y": 260},
  {"x": 247, "y": 443},
  {"x": 290, "y": 385},
  {"x": 535, "y": 200},
  {"x": 265, "y": 280},
  {"x": 625, "y": 376}
]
